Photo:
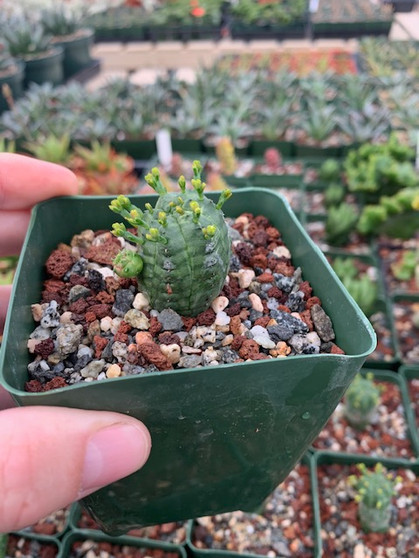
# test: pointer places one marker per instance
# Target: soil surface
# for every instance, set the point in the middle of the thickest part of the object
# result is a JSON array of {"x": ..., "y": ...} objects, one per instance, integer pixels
[
  {"x": 386, "y": 436},
  {"x": 93, "y": 325}
]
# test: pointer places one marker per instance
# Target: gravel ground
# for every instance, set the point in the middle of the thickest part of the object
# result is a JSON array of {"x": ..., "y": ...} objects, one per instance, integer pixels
[
  {"x": 21, "y": 547},
  {"x": 92, "y": 325},
  {"x": 407, "y": 330},
  {"x": 91, "y": 549},
  {"x": 386, "y": 436},
  {"x": 284, "y": 528}
]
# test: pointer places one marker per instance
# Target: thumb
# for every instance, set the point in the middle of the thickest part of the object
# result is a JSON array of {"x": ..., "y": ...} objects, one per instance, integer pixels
[
  {"x": 5, "y": 291},
  {"x": 51, "y": 456}
]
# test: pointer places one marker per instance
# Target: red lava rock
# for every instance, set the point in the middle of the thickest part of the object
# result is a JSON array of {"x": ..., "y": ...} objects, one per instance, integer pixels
[
  {"x": 104, "y": 298},
  {"x": 188, "y": 323},
  {"x": 167, "y": 338},
  {"x": 244, "y": 252},
  {"x": 55, "y": 383},
  {"x": 237, "y": 342},
  {"x": 312, "y": 301},
  {"x": 153, "y": 354},
  {"x": 121, "y": 337},
  {"x": 99, "y": 344},
  {"x": 44, "y": 348},
  {"x": 155, "y": 326},
  {"x": 285, "y": 268},
  {"x": 305, "y": 315},
  {"x": 206, "y": 318},
  {"x": 33, "y": 386},
  {"x": 78, "y": 280},
  {"x": 100, "y": 310},
  {"x": 261, "y": 221},
  {"x": 104, "y": 253},
  {"x": 273, "y": 233},
  {"x": 233, "y": 310},
  {"x": 260, "y": 260},
  {"x": 112, "y": 285},
  {"x": 54, "y": 285},
  {"x": 260, "y": 238},
  {"x": 265, "y": 278},
  {"x": 124, "y": 327},
  {"x": 335, "y": 350},
  {"x": 263, "y": 321},
  {"x": 252, "y": 229},
  {"x": 90, "y": 317},
  {"x": 305, "y": 288},
  {"x": 235, "y": 325},
  {"x": 59, "y": 262},
  {"x": 249, "y": 349},
  {"x": 274, "y": 292},
  {"x": 79, "y": 306},
  {"x": 284, "y": 308}
]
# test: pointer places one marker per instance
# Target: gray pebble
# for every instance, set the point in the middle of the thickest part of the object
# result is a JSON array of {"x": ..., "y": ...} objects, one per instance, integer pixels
[
  {"x": 93, "y": 369},
  {"x": 123, "y": 302},
  {"x": 322, "y": 323},
  {"x": 77, "y": 292},
  {"x": 170, "y": 320},
  {"x": 286, "y": 326},
  {"x": 50, "y": 316},
  {"x": 296, "y": 302},
  {"x": 190, "y": 361},
  {"x": 68, "y": 338},
  {"x": 283, "y": 282}
]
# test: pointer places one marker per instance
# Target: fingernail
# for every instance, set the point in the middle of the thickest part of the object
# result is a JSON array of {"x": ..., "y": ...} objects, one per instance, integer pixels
[{"x": 113, "y": 453}]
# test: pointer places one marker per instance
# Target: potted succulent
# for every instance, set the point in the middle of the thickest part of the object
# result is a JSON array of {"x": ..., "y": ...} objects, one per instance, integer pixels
[
  {"x": 28, "y": 42},
  {"x": 357, "y": 514},
  {"x": 67, "y": 32},
  {"x": 11, "y": 78},
  {"x": 225, "y": 432}
]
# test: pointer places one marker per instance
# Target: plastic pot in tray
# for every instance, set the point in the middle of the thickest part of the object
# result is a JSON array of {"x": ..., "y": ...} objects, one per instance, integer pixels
[{"x": 224, "y": 437}]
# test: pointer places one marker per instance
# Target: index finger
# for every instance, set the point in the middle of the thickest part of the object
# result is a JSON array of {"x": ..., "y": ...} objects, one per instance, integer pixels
[{"x": 25, "y": 181}]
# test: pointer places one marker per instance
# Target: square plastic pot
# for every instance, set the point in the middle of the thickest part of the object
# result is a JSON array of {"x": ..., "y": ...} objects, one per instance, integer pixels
[
  {"x": 223, "y": 438},
  {"x": 328, "y": 458}
]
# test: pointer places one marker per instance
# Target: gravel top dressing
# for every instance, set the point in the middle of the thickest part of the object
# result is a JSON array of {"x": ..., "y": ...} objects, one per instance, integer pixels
[{"x": 92, "y": 324}]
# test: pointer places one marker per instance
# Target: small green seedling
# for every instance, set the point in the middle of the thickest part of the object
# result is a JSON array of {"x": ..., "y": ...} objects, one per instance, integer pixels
[
  {"x": 361, "y": 401},
  {"x": 375, "y": 489}
]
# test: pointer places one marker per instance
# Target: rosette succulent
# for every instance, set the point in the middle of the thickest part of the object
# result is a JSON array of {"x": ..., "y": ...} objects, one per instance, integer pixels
[{"x": 183, "y": 245}]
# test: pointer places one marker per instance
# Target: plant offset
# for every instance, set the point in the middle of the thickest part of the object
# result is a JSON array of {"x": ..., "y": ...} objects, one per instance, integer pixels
[{"x": 184, "y": 245}]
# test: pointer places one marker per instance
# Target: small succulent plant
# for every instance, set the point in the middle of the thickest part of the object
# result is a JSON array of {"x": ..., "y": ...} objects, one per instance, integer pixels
[
  {"x": 375, "y": 490},
  {"x": 26, "y": 39},
  {"x": 226, "y": 156},
  {"x": 60, "y": 22},
  {"x": 361, "y": 401},
  {"x": 184, "y": 245}
]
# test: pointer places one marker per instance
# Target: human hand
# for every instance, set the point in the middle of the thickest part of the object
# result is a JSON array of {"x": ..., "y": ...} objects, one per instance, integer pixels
[{"x": 51, "y": 456}]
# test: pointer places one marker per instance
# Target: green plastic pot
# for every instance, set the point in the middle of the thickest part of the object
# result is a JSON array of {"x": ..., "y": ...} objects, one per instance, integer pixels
[
  {"x": 46, "y": 68},
  {"x": 76, "y": 51},
  {"x": 327, "y": 458},
  {"x": 224, "y": 437},
  {"x": 14, "y": 80},
  {"x": 258, "y": 147},
  {"x": 276, "y": 180},
  {"x": 197, "y": 552},
  {"x": 81, "y": 536},
  {"x": 410, "y": 373}
]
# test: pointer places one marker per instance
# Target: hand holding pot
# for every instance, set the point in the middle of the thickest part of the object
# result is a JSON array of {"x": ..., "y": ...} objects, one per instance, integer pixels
[{"x": 52, "y": 456}]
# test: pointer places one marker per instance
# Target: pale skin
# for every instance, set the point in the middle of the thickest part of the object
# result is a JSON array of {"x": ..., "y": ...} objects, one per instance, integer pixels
[{"x": 52, "y": 456}]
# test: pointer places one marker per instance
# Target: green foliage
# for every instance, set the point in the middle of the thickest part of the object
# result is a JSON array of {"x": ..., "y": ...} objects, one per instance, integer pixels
[
  {"x": 395, "y": 215},
  {"x": 341, "y": 221},
  {"x": 252, "y": 12},
  {"x": 363, "y": 290},
  {"x": 334, "y": 194},
  {"x": 7, "y": 146},
  {"x": 380, "y": 169},
  {"x": 405, "y": 269},
  {"x": 25, "y": 38},
  {"x": 330, "y": 170},
  {"x": 183, "y": 245},
  {"x": 59, "y": 21},
  {"x": 361, "y": 400},
  {"x": 52, "y": 149},
  {"x": 375, "y": 490},
  {"x": 6, "y": 60}
]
